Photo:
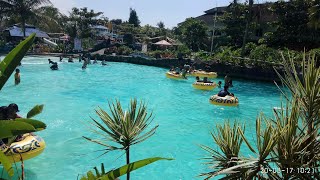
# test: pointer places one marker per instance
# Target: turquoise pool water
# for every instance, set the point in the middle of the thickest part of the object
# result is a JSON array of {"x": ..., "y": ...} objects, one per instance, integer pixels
[{"x": 183, "y": 114}]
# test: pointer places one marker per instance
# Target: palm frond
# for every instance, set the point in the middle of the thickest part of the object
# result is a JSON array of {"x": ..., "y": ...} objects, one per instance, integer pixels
[{"x": 125, "y": 127}]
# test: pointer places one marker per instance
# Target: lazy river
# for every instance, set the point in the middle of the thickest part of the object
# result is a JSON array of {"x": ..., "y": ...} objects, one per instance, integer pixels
[{"x": 184, "y": 115}]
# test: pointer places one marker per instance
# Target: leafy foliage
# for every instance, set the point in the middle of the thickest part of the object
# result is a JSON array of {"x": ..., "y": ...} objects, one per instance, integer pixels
[
  {"x": 287, "y": 141},
  {"x": 19, "y": 126},
  {"x": 79, "y": 21},
  {"x": 193, "y": 33},
  {"x": 235, "y": 22},
  {"x": 292, "y": 29},
  {"x": 113, "y": 174},
  {"x": 12, "y": 60},
  {"x": 123, "y": 127},
  {"x": 35, "y": 111},
  {"x": 23, "y": 10},
  {"x": 5, "y": 162}
]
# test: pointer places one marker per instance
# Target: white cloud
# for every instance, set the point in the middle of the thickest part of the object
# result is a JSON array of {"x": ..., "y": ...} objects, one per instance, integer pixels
[{"x": 64, "y": 6}]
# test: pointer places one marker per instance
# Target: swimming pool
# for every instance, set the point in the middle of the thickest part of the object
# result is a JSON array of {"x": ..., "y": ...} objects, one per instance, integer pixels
[{"x": 184, "y": 115}]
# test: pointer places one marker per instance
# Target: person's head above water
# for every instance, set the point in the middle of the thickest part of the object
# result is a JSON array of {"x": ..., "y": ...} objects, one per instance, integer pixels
[
  {"x": 17, "y": 70},
  {"x": 12, "y": 110},
  {"x": 197, "y": 78},
  {"x": 219, "y": 82},
  {"x": 14, "y": 107}
]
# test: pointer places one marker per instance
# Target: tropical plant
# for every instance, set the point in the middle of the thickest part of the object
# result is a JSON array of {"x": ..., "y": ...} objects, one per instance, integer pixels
[
  {"x": 288, "y": 144},
  {"x": 124, "y": 127},
  {"x": 13, "y": 59},
  {"x": 229, "y": 140},
  {"x": 24, "y": 10},
  {"x": 113, "y": 174},
  {"x": 19, "y": 126},
  {"x": 51, "y": 20}
]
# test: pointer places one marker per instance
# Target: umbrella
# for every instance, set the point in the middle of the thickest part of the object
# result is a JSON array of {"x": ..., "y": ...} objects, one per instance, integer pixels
[{"x": 163, "y": 43}]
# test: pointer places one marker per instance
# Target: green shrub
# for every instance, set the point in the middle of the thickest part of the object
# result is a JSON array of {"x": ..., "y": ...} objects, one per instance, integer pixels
[
  {"x": 264, "y": 53},
  {"x": 124, "y": 50},
  {"x": 203, "y": 55},
  {"x": 249, "y": 47},
  {"x": 228, "y": 55}
]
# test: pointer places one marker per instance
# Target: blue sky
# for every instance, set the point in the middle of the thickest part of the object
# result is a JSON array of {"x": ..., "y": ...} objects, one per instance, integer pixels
[{"x": 171, "y": 12}]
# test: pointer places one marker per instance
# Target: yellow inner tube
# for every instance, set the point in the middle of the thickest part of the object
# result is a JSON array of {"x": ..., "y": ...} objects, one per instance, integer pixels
[
  {"x": 172, "y": 75},
  {"x": 30, "y": 147},
  {"x": 224, "y": 101},
  {"x": 203, "y": 74},
  {"x": 204, "y": 86}
]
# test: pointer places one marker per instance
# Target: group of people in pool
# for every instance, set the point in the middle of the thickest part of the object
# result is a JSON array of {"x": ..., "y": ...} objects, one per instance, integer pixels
[
  {"x": 85, "y": 60},
  {"x": 227, "y": 83},
  {"x": 183, "y": 70}
]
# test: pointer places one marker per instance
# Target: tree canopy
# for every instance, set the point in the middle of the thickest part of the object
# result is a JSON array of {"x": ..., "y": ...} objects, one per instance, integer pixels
[
  {"x": 134, "y": 19},
  {"x": 193, "y": 33}
]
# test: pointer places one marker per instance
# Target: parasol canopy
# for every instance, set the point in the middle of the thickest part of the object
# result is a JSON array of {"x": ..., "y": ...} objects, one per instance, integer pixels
[{"x": 163, "y": 43}]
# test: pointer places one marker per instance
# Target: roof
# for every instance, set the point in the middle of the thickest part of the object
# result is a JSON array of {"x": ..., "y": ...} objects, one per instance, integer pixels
[
  {"x": 222, "y": 9},
  {"x": 17, "y": 32},
  {"x": 99, "y": 27},
  {"x": 216, "y": 9}
]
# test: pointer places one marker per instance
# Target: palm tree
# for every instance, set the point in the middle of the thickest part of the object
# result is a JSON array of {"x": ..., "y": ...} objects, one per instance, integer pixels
[
  {"x": 289, "y": 143},
  {"x": 124, "y": 127},
  {"x": 49, "y": 19},
  {"x": 24, "y": 9}
]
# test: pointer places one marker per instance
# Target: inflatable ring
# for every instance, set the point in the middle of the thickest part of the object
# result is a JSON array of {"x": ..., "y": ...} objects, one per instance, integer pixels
[
  {"x": 30, "y": 147},
  {"x": 204, "y": 86},
  {"x": 172, "y": 75},
  {"x": 224, "y": 101},
  {"x": 203, "y": 74}
]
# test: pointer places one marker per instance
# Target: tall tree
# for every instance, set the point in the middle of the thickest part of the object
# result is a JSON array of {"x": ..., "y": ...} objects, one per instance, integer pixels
[
  {"x": 80, "y": 21},
  {"x": 116, "y": 21},
  {"x": 162, "y": 30},
  {"x": 24, "y": 9},
  {"x": 292, "y": 26},
  {"x": 235, "y": 21},
  {"x": 134, "y": 19},
  {"x": 249, "y": 20},
  {"x": 193, "y": 33},
  {"x": 160, "y": 25},
  {"x": 51, "y": 19}
]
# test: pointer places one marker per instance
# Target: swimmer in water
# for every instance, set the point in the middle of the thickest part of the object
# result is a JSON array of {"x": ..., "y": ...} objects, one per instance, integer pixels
[{"x": 17, "y": 77}]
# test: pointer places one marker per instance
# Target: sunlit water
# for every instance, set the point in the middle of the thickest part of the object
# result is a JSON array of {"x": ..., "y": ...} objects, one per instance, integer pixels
[{"x": 184, "y": 116}]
